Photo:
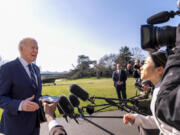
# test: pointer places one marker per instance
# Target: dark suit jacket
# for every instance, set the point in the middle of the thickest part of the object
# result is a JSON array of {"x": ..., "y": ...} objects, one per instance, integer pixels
[
  {"x": 57, "y": 130},
  {"x": 123, "y": 77},
  {"x": 15, "y": 86}
]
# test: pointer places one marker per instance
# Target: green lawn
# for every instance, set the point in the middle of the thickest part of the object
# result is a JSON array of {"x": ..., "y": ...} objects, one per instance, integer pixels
[{"x": 95, "y": 87}]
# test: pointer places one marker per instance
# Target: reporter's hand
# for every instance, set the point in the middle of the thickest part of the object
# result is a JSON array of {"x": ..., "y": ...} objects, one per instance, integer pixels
[
  {"x": 49, "y": 110},
  {"x": 128, "y": 118},
  {"x": 29, "y": 106}
]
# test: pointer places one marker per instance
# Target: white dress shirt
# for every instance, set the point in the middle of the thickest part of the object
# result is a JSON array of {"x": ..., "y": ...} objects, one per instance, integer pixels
[{"x": 25, "y": 65}]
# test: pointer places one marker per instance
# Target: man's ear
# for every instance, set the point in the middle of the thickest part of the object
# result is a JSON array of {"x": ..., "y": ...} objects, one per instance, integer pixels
[{"x": 20, "y": 48}]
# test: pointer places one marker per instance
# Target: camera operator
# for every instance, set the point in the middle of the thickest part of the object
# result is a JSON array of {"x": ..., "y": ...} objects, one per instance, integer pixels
[
  {"x": 129, "y": 69},
  {"x": 54, "y": 127},
  {"x": 136, "y": 69},
  {"x": 168, "y": 100},
  {"x": 152, "y": 70},
  {"x": 167, "y": 105},
  {"x": 143, "y": 100}
]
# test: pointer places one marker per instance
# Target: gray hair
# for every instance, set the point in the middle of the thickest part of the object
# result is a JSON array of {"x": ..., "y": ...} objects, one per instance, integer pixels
[{"x": 24, "y": 40}]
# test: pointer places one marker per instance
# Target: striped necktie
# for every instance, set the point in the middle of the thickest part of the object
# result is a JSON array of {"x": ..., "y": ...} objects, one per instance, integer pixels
[
  {"x": 33, "y": 79},
  {"x": 119, "y": 72}
]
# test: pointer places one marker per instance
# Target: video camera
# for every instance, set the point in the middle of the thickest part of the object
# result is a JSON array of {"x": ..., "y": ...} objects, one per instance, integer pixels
[{"x": 153, "y": 37}]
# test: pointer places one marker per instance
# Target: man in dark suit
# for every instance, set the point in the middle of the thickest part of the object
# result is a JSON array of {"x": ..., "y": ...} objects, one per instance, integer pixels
[
  {"x": 20, "y": 89},
  {"x": 54, "y": 127},
  {"x": 119, "y": 77}
]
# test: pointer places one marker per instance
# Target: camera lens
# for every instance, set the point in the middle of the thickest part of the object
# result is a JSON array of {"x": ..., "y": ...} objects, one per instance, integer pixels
[{"x": 152, "y": 38}]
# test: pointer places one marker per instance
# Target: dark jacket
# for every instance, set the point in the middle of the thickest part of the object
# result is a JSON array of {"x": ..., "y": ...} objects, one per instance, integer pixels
[
  {"x": 123, "y": 77},
  {"x": 136, "y": 68},
  {"x": 168, "y": 100},
  {"x": 15, "y": 86}
]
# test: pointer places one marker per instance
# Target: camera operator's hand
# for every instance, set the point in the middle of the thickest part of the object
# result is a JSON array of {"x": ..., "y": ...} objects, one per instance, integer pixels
[
  {"x": 49, "y": 109},
  {"x": 29, "y": 106},
  {"x": 128, "y": 118}
]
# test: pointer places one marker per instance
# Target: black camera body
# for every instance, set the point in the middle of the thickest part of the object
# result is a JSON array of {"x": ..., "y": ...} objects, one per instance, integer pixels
[{"x": 153, "y": 37}]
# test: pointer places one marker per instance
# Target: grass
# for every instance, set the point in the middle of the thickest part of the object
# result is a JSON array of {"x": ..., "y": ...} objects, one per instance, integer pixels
[{"x": 95, "y": 87}]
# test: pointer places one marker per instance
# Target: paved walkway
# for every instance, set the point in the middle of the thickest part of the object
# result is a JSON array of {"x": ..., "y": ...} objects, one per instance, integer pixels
[{"x": 115, "y": 126}]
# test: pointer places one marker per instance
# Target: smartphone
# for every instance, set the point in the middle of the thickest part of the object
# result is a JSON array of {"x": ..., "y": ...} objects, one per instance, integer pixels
[{"x": 49, "y": 99}]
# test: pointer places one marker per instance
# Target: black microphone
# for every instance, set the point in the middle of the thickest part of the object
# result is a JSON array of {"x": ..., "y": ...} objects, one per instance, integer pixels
[
  {"x": 90, "y": 109},
  {"x": 79, "y": 92},
  {"x": 59, "y": 109},
  {"x": 161, "y": 17},
  {"x": 74, "y": 100},
  {"x": 65, "y": 106},
  {"x": 61, "y": 112}
]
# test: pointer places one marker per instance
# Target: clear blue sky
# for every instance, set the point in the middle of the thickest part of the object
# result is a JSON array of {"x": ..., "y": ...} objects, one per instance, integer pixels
[{"x": 65, "y": 29}]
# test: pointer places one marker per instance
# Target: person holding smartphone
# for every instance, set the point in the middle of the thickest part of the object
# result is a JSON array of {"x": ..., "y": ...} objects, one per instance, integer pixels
[{"x": 54, "y": 126}]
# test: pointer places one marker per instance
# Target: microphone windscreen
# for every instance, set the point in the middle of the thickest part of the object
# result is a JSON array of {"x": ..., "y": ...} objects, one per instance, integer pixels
[
  {"x": 79, "y": 92},
  {"x": 59, "y": 109},
  {"x": 159, "y": 18},
  {"x": 74, "y": 100},
  {"x": 66, "y": 106},
  {"x": 178, "y": 4},
  {"x": 90, "y": 109}
]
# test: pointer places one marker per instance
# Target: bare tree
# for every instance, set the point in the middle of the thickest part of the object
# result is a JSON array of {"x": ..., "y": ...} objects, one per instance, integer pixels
[
  {"x": 137, "y": 53},
  {"x": 106, "y": 65}
]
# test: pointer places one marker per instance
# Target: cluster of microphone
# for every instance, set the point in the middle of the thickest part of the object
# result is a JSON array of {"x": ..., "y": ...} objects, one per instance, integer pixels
[{"x": 66, "y": 105}]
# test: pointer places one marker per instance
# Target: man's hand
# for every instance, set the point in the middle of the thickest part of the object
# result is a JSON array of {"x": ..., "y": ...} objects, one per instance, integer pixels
[
  {"x": 29, "y": 106},
  {"x": 49, "y": 110},
  {"x": 119, "y": 82}
]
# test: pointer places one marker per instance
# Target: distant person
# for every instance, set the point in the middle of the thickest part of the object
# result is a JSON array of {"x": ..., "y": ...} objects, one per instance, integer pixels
[
  {"x": 129, "y": 69},
  {"x": 20, "y": 89},
  {"x": 145, "y": 97},
  {"x": 136, "y": 69},
  {"x": 119, "y": 77},
  {"x": 54, "y": 127}
]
